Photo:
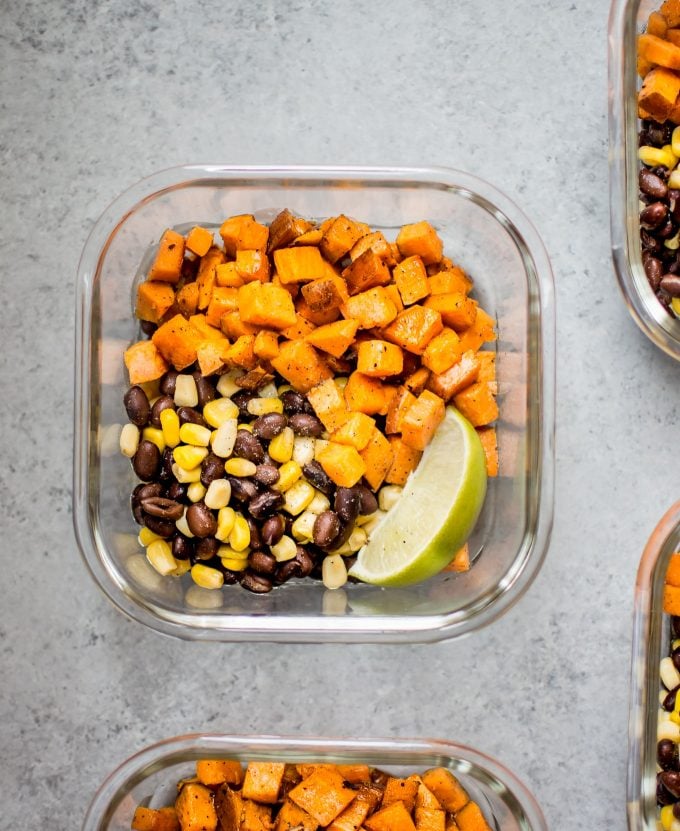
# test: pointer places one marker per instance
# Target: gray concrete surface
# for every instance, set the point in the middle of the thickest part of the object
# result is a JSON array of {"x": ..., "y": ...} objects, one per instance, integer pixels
[{"x": 94, "y": 96}]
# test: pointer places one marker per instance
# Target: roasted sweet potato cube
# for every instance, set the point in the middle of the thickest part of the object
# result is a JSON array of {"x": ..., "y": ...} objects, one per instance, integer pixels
[
  {"x": 673, "y": 571},
  {"x": 187, "y": 299},
  {"x": 359, "y": 808},
  {"x": 477, "y": 404},
  {"x": 481, "y": 331},
  {"x": 177, "y": 341},
  {"x": 316, "y": 318},
  {"x": 199, "y": 240},
  {"x": 656, "y": 25},
  {"x": 660, "y": 90},
  {"x": 299, "y": 265},
  {"x": 355, "y": 774},
  {"x": 670, "y": 11},
  {"x": 443, "y": 351},
  {"x": 329, "y": 404},
  {"x": 167, "y": 264},
  {"x": 285, "y": 228},
  {"x": 340, "y": 236},
  {"x": 153, "y": 300},
  {"x": 366, "y": 395},
  {"x": 150, "y": 819},
  {"x": 457, "y": 378},
  {"x": 243, "y": 232},
  {"x": 366, "y": 272},
  {"x": 233, "y": 327},
  {"x": 402, "y": 400},
  {"x": 326, "y": 293},
  {"x": 414, "y": 328},
  {"x": 457, "y": 310},
  {"x": 206, "y": 331},
  {"x": 301, "y": 365},
  {"x": 342, "y": 463},
  {"x": 470, "y": 818},
  {"x": 671, "y": 600},
  {"x": 372, "y": 308},
  {"x": 394, "y": 817},
  {"x": 195, "y": 809},
  {"x": 357, "y": 431},
  {"x": 446, "y": 788},
  {"x": 300, "y": 329},
  {"x": 262, "y": 781},
  {"x": 227, "y": 275},
  {"x": 404, "y": 461},
  {"x": 460, "y": 562},
  {"x": 422, "y": 419},
  {"x": 224, "y": 299},
  {"x": 217, "y": 771},
  {"x": 206, "y": 275},
  {"x": 411, "y": 280},
  {"x": 449, "y": 280},
  {"x": 375, "y": 242},
  {"x": 673, "y": 35},
  {"x": 324, "y": 794},
  {"x": 377, "y": 456},
  {"x": 334, "y": 338},
  {"x": 144, "y": 362},
  {"x": 255, "y": 817},
  {"x": 293, "y": 818},
  {"x": 266, "y": 344},
  {"x": 487, "y": 436},
  {"x": 242, "y": 352},
  {"x": 252, "y": 265},
  {"x": 379, "y": 359},
  {"x": 401, "y": 790},
  {"x": 417, "y": 381},
  {"x": 263, "y": 304},
  {"x": 212, "y": 356},
  {"x": 228, "y": 807},
  {"x": 487, "y": 365},
  {"x": 420, "y": 238}
]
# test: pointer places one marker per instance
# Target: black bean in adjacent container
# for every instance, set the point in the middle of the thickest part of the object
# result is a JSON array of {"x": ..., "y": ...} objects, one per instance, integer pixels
[
  {"x": 272, "y": 529},
  {"x": 317, "y": 476},
  {"x": 327, "y": 527},
  {"x": 667, "y": 754},
  {"x": 653, "y": 215},
  {"x": 206, "y": 548},
  {"x": 267, "y": 474},
  {"x": 162, "y": 507},
  {"x": 347, "y": 504},
  {"x": 146, "y": 460},
  {"x": 247, "y": 446},
  {"x": 163, "y": 402},
  {"x": 187, "y": 415},
  {"x": 262, "y": 563},
  {"x": 212, "y": 468},
  {"x": 137, "y": 406},
  {"x": 205, "y": 389},
  {"x": 182, "y": 547},
  {"x": 269, "y": 425},
  {"x": 168, "y": 382},
  {"x": 257, "y": 583},
  {"x": 652, "y": 185},
  {"x": 304, "y": 424},
  {"x": 265, "y": 503},
  {"x": 201, "y": 520}
]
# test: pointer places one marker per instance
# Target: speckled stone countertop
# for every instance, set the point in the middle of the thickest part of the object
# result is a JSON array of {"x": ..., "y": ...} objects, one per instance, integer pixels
[{"x": 94, "y": 96}]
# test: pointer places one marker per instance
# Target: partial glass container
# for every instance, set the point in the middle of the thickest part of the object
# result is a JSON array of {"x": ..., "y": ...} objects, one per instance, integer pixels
[
  {"x": 627, "y": 20},
  {"x": 149, "y": 778},
  {"x": 651, "y": 643},
  {"x": 487, "y": 235}
]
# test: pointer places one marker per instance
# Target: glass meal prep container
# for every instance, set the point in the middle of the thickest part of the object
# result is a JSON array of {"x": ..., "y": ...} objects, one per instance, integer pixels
[
  {"x": 651, "y": 643},
  {"x": 627, "y": 20},
  {"x": 150, "y": 777},
  {"x": 484, "y": 233}
]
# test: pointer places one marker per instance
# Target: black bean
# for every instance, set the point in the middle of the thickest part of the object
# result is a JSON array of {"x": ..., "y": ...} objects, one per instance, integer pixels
[
  {"x": 137, "y": 406},
  {"x": 650, "y": 243},
  {"x": 257, "y": 583},
  {"x": 269, "y": 425},
  {"x": 207, "y": 548},
  {"x": 304, "y": 424},
  {"x": 182, "y": 547},
  {"x": 165, "y": 474},
  {"x": 230, "y": 577},
  {"x": 168, "y": 382},
  {"x": 675, "y": 625},
  {"x": 241, "y": 400},
  {"x": 265, "y": 503},
  {"x": 178, "y": 491},
  {"x": 327, "y": 527},
  {"x": 255, "y": 538},
  {"x": 272, "y": 529},
  {"x": 294, "y": 402},
  {"x": 343, "y": 536},
  {"x": 663, "y": 797},
  {"x": 162, "y": 507},
  {"x": 318, "y": 477},
  {"x": 138, "y": 513},
  {"x": 669, "y": 700},
  {"x": 667, "y": 754},
  {"x": 653, "y": 215},
  {"x": 654, "y": 271},
  {"x": 262, "y": 563},
  {"x": 146, "y": 491},
  {"x": 671, "y": 782},
  {"x": 347, "y": 504},
  {"x": 267, "y": 474},
  {"x": 368, "y": 504},
  {"x": 146, "y": 460},
  {"x": 205, "y": 388},
  {"x": 147, "y": 327},
  {"x": 242, "y": 490},
  {"x": 652, "y": 185},
  {"x": 187, "y": 415},
  {"x": 201, "y": 520},
  {"x": 667, "y": 229},
  {"x": 248, "y": 446},
  {"x": 676, "y": 810},
  {"x": 287, "y": 571},
  {"x": 164, "y": 402},
  {"x": 212, "y": 468},
  {"x": 163, "y": 527},
  {"x": 671, "y": 283}
]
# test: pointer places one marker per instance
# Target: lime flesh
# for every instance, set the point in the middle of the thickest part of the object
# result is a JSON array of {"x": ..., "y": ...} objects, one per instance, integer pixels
[{"x": 436, "y": 511}]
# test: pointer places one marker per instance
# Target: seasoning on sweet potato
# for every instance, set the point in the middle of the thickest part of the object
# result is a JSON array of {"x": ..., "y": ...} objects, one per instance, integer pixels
[
  {"x": 414, "y": 328},
  {"x": 457, "y": 310},
  {"x": 167, "y": 264},
  {"x": 446, "y": 788},
  {"x": 659, "y": 52},
  {"x": 298, "y": 265},
  {"x": 366, "y": 395},
  {"x": 329, "y": 404},
  {"x": 301, "y": 365},
  {"x": 153, "y": 300},
  {"x": 356, "y": 431},
  {"x": 324, "y": 794},
  {"x": 394, "y": 817},
  {"x": 285, "y": 228},
  {"x": 262, "y": 781},
  {"x": 420, "y": 238},
  {"x": 470, "y": 818},
  {"x": 400, "y": 403},
  {"x": 293, "y": 818},
  {"x": 195, "y": 809},
  {"x": 206, "y": 276},
  {"x": 417, "y": 381},
  {"x": 324, "y": 293},
  {"x": 233, "y": 327},
  {"x": 660, "y": 90},
  {"x": 400, "y": 790},
  {"x": 224, "y": 299},
  {"x": 340, "y": 236},
  {"x": 252, "y": 265},
  {"x": 266, "y": 345},
  {"x": 187, "y": 299},
  {"x": 422, "y": 419},
  {"x": 242, "y": 352},
  {"x": 144, "y": 362},
  {"x": 455, "y": 379},
  {"x": 411, "y": 280},
  {"x": 404, "y": 460},
  {"x": 487, "y": 436},
  {"x": 375, "y": 242},
  {"x": 477, "y": 404},
  {"x": 377, "y": 456},
  {"x": 334, "y": 338},
  {"x": 228, "y": 807},
  {"x": 243, "y": 232},
  {"x": 670, "y": 11},
  {"x": 379, "y": 359},
  {"x": 217, "y": 771},
  {"x": 452, "y": 279},
  {"x": 263, "y": 304},
  {"x": 481, "y": 331},
  {"x": 371, "y": 308},
  {"x": 227, "y": 275},
  {"x": 150, "y": 819},
  {"x": 366, "y": 272},
  {"x": 358, "y": 809},
  {"x": 316, "y": 318},
  {"x": 177, "y": 340},
  {"x": 443, "y": 351},
  {"x": 199, "y": 240},
  {"x": 212, "y": 356},
  {"x": 342, "y": 463},
  {"x": 299, "y": 330}
]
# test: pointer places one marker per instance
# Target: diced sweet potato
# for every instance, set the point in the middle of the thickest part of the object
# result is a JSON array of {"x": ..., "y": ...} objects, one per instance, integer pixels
[
  {"x": 301, "y": 365},
  {"x": 376, "y": 242},
  {"x": 477, "y": 404},
  {"x": 411, "y": 280},
  {"x": 422, "y": 419},
  {"x": 340, "y": 236},
  {"x": 293, "y": 818},
  {"x": 325, "y": 293},
  {"x": 316, "y": 318},
  {"x": 263, "y": 304},
  {"x": 365, "y": 395},
  {"x": 255, "y": 817},
  {"x": 481, "y": 331},
  {"x": 372, "y": 308},
  {"x": 446, "y": 788},
  {"x": 659, "y": 52},
  {"x": 243, "y": 232},
  {"x": 420, "y": 239},
  {"x": 227, "y": 275},
  {"x": 460, "y": 562},
  {"x": 377, "y": 456},
  {"x": 672, "y": 35},
  {"x": 205, "y": 330},
  {"x": 470, "y": 818},
  {"x": 673, "y": 571},
  {"x": 487, "y": 365},
  {"x": 252, "y": 265},
  {"x": 443, "y": 351},
  {"x": 457, "y": 310},
  {"x": 455, "y": 379},
  {"x": 150, "y": 819},
  {"x": 357, "y": 431},
  {"x": 452, "y": 279},
  {"x": 233, "y": 327},
  {"x": 429, "y": 814},
  {"x": 357, "y": 774},
  {"x": 217, "y": 771},
  {"x": 356, "y": 812},
  {"x": 167, "y": 264},
  {"x": 334, "y": 338},
  {"x": 341, "y": 462},
  {"x": 414, "y": 328},
  {"x": 366, "y": 272},
  {"x": 195, "y": 809},
  {"x": 187, "y": 299},
  {"x": 144, "y": 362},
  {"x": 417, "y": 381},
  {"x": 300, "y": 329},
  {"x": 266, "y": 345},
  {"x": 199, "y": 240},
  {"x": 660, "y": 90},
  {"x": 395, "y": 297},
  {"x": 671, "y": 600},
  {"x": 329, "y": 404},
  {"x": 400, "y": 403},
  {"x": 394, "y": 817},
  {"x": 298, "y": 265},
  {"x": 242, "y": 352},
  {"x": 656, "y": 25},
  {"x": 285, "y": 228},
  {"x": 212, "y": 356},
  {"x": 324, "y": 794},
  {"x": 401, "y": 790},
  {"x": 670, "y": 11},
  {"x": 379, "y": 359},
  {"x": 262, "y": 781},
  {"x": 487, "y": 435},
  {"x": 177, "y": 341},
  {"x": 206, "y": 276},
  {"x": 228, "y": 807},
  {"x": 153, "y": 300},
  {"x": 224, "y": 299},
  {"x": 404, "y": 460}
]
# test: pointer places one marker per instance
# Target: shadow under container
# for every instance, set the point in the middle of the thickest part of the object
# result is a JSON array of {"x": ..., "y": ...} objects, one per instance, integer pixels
[
  {"x": 150, "y": 777},
  {"x": 485, "y": 234},
  {"x": 627, "y": 20},
  {"x": 651, "y": 643}
]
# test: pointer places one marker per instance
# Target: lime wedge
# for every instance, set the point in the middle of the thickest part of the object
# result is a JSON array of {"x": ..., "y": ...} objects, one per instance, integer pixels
[{"x": 436, "y": 511}]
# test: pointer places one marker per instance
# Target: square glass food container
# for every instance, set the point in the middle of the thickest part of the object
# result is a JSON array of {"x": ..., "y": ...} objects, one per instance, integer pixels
[
  {"x": 150, "y": 777},
  {"x": 651, "y": 643},
  {"x": 627, "y": 20},
  {"x": 483, "y": 232}
]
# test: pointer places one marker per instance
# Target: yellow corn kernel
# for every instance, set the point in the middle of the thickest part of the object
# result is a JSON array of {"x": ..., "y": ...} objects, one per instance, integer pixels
[
  {"x": 669, "y": 150},
  {"x": 281, "y": 446},
  {"x": 219, "y": 410},
  {"x": 297, "y": 497},
  {"x": 183, "y": 526},
  {"x": 666, "y": 817},
  {"x": 262, "y": 406},
  {"x": 227, "y": 385},
  {"x": 246, "y": 426},
  {"x": 284, "y": 388},
  {"x": 239, "y": 538},
  {"x": 229, "y": 553},
  {"x": 341, "y": 382},
  {"x": 303, "y": 527},
  {"x": 182, "y": 567},
  {"x": 195, "y": 434},
  {"x": 129, "y": 440},
  {"x": 289, "y": 472},
  {"x": 675, "y": 305},
  {"x": 188, "y": 456},
  {"x": 333, "y": 572},
  {"x": 675, "y": 142},
  {"x": 673, "y": 243},
  {"x": 653, "y": 157},
  {"x": 196, "y": 491},
  {"x": 186, "y": 394},
  {"x": 284, "y": 549},
  {"x": 218, "y": 494},
  {"x": 240, "y": 467},
  {"x": 222, "y": 440},
  {"x": 319, "y": 504},
  {"x": 674, "y": 180},
  {"x": 234, "y": 565},
  {"x": 154, "y": 435},
  {"x": 207, "y": 577},
  {"x": 185, "y": 476},
  {"x": 152, "y": 389},
  {"x": 159, "y": 555},
  {"x": 225, "y": 522},
  {"x": 147, "y": 536},
  {"x": 268, "y": 391},
  {"x": 170, "y": 426},
  {"x": 357, "y": 539},
  {"x": 389, "y": 496},
  {"x": 303, "y": 449}
]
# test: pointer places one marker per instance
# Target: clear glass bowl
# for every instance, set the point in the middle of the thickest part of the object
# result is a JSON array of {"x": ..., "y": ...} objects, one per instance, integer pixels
[
  {"x": 484, "y": 232},
  {"x": 651, "y": 643},
  {"x": 149, "y": 778},
  {"x": 626, "y": 20}
]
